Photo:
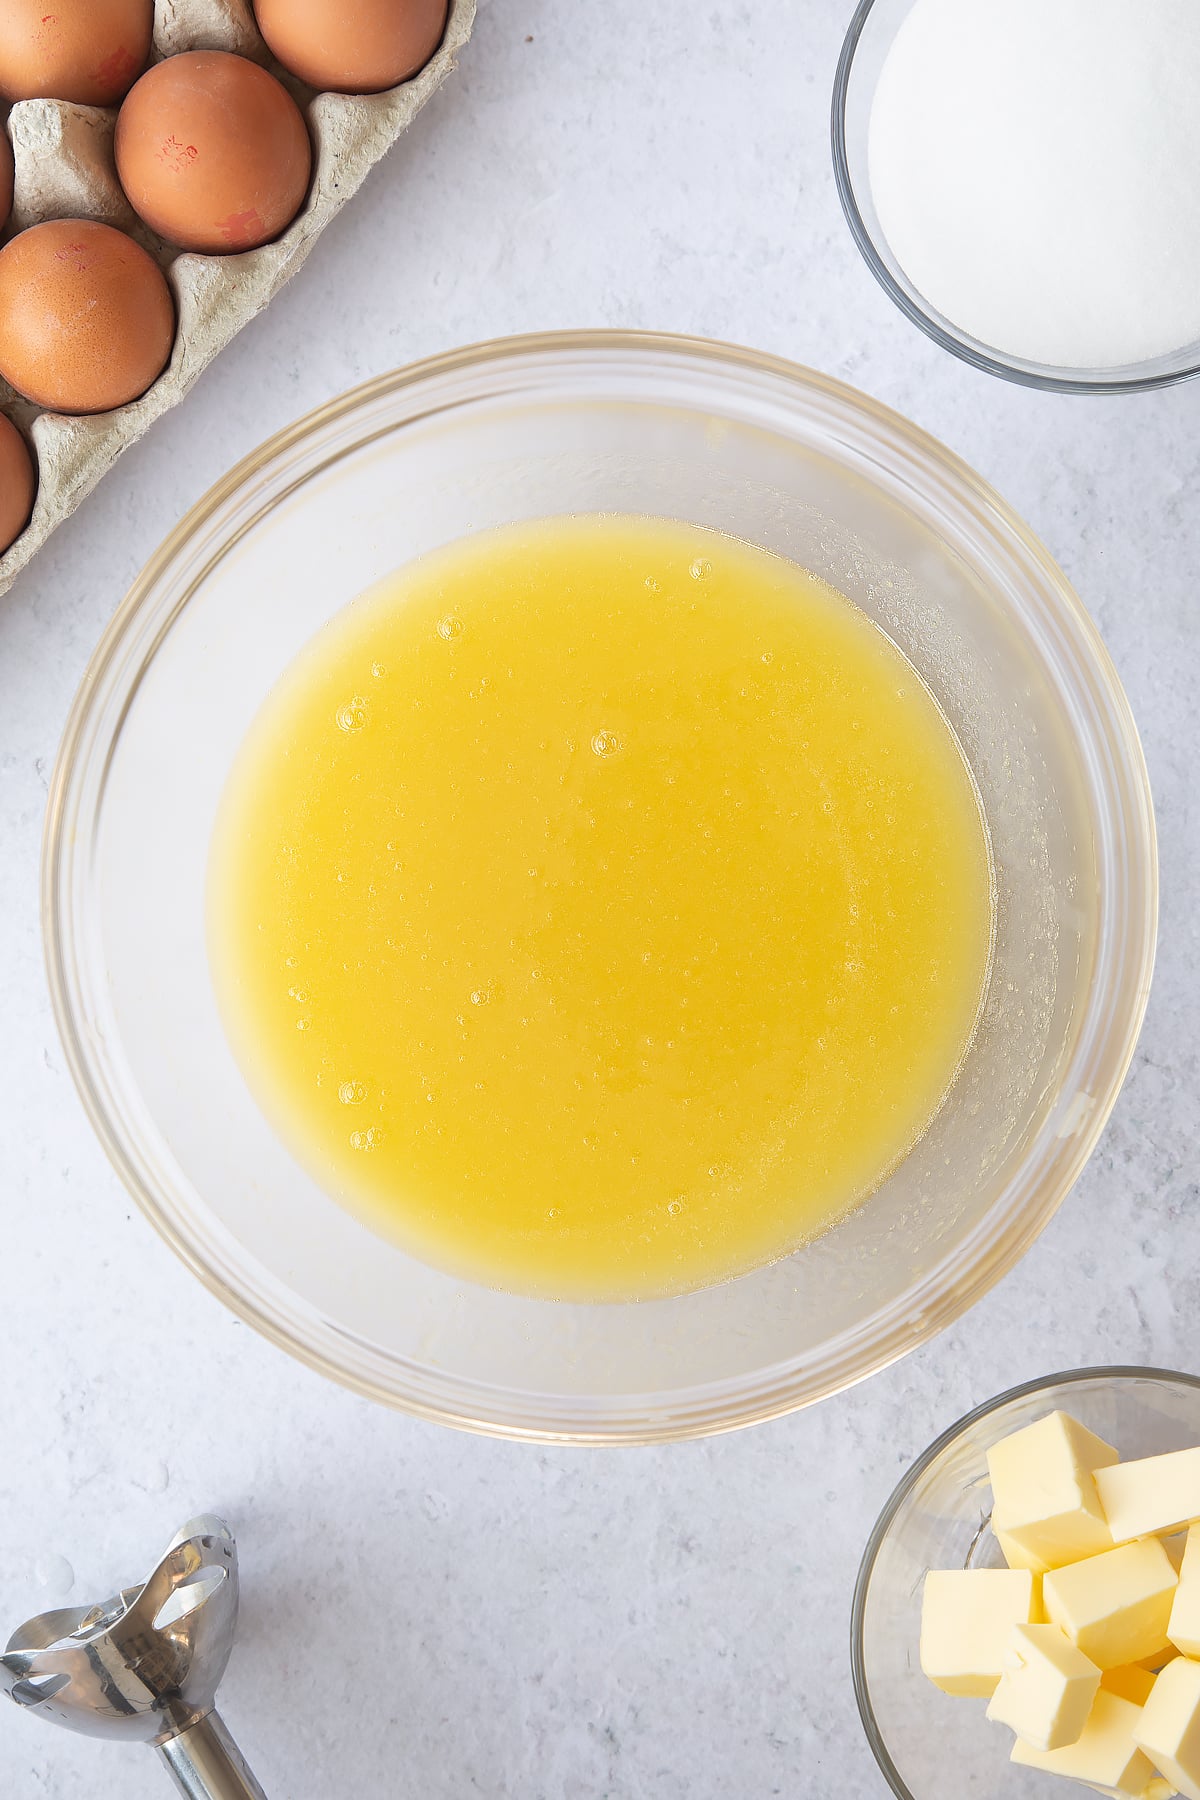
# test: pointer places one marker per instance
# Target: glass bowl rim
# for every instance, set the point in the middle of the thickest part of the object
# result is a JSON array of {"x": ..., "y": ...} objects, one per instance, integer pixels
[
  {"x": 1046, "y": 378},
  {"x": 717, "y": 1405},
  {"x": 1113, "y": 1372}
]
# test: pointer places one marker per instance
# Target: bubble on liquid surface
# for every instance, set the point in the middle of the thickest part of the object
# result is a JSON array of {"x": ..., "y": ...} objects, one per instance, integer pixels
[
  {"x": 700, "y": 568},
  {"x": 653, "y": 584},
  {"x": 378, "y": 670},
  {"x": 353, "y": 715},
  {"x": 352, "y": 1093},
  {"x": 674, "y": 1207},
  {"x": 449, "y": 627},
  {"x": 606, "y": 743},
  {"x": 481, "y": 996},
  {"x": 369, "y": 1139}
]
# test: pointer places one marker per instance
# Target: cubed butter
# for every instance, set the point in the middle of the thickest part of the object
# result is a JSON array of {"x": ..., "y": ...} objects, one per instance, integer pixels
[
  {"x": 1116, "y": 1606},
  {"x": 1184, "y": 1626},
  {"x": 1106, "y": 1754},
  {"x": 967, "y": 1617},
  {"x": 1046, "y": 1691},
  {"x": 1014, "y": 1554},
  {"x": 1044, "y": 1496},
  {"x": 1169, "y": 1728},
  {"x": 1131, "y": 1681},
  {"x": 1155, "y": 1494}
]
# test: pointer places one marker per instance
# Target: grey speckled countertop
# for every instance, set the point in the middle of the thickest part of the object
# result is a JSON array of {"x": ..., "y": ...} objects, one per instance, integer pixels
[{"x": 498, "y": 1619}]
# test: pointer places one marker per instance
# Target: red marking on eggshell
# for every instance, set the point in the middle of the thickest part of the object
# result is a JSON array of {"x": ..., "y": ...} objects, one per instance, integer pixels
[
  {"x": 241, "y": 227},
  {"x": 116, "y": 66},
  {"x": 76, "y": 255},
  {"x": 177, "y": 155}
]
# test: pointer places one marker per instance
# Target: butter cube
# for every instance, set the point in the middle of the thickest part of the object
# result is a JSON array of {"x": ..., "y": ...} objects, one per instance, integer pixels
[
  {"x": 1131, "y": 1681},
  {"x": 1116, "y": 1606},
  {"x": 1106, "y": 1754},
  {"x": 967, "y": 1617},
  {"x": 1044, "y": 1496},
  {"x": 1183, "y": 1628},
  {"x": 1156, "y": 1494},
  {"x": 1015, "y": 1555},
  {"x": 1046, "y": 1691},
  {"x": 1169, "y": 1728}
]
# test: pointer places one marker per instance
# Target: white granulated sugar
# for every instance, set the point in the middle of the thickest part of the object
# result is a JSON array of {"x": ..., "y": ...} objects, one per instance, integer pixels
[{"x": 1035, "y": 166}]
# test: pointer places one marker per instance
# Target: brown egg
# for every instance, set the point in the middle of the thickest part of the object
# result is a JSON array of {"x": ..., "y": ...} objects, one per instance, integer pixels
[
  {"x": 86, "y": 317},
  {"x": 17, "y": 483},
  {"x": 91, "y": 51},
  {"x": 357, "y": 49},
  {"x": 213, "y": 153},
  {"x": 6, "y": 178}
]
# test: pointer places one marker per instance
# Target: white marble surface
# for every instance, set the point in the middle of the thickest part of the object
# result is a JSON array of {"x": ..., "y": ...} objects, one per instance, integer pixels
[{"x": 491, "y": 1618}]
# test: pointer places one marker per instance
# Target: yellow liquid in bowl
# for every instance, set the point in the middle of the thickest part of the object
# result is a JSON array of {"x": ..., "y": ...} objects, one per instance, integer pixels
[{"x": 601, "y": 907}]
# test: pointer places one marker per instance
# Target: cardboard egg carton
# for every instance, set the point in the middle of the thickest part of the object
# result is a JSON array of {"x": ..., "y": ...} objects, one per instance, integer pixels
[{"x": 65, "y": 169}]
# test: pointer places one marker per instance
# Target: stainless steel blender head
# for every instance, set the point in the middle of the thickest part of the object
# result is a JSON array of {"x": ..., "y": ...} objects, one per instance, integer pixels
[{"x": 145, "y": 1665}]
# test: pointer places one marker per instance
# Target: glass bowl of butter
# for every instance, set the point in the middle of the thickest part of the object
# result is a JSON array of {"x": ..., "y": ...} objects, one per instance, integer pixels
[
  {"x": 483, "y": 441},
  {"x": 1028, "y": 1610}
]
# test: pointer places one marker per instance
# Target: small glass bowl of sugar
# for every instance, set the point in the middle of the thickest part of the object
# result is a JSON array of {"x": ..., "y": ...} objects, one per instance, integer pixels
[{"x": 1021, "y": 177}]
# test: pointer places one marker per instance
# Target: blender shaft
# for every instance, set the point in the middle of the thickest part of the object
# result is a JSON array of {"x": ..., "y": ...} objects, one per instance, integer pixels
[{"x": 206, "y": 1764}]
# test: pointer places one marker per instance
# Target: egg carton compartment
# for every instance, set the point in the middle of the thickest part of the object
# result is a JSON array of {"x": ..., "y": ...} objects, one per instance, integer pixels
[{"x": 65, "y": 168}]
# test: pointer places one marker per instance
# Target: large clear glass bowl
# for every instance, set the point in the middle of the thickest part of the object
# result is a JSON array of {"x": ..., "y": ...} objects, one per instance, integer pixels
[
  {"x": 868, "y": 40},
  {"x": 562, "y": 424},
  {"x": 929, "y": 1745}
]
